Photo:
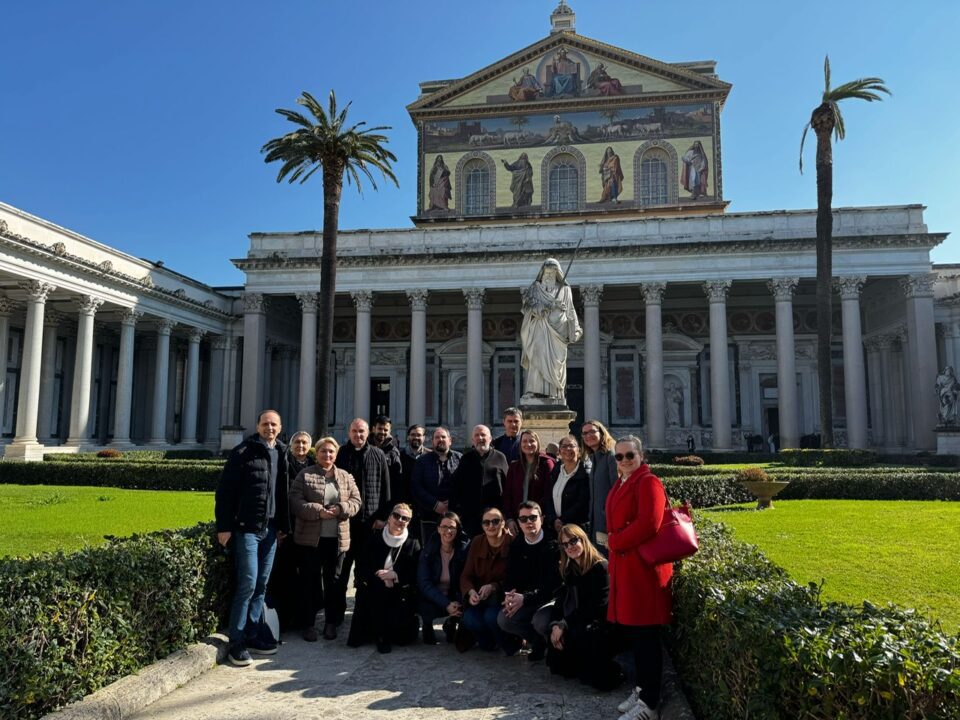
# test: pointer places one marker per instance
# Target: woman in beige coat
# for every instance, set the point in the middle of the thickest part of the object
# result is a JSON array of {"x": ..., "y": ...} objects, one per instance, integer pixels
[{"x": 323, "y": 498}]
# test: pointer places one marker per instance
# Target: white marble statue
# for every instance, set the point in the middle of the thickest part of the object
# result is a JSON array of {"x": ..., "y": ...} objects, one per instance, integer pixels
[
  {"x": 948, "y": 390},
  {"x": 550, "y": 323},
  {"x": 673, "y": 400}
]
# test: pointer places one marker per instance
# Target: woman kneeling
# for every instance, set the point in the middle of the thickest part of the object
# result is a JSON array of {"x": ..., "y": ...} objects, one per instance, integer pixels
[{"x": 386, "y": 577}]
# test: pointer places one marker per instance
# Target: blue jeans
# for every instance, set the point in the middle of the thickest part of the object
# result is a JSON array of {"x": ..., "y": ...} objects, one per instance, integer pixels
[
  {"x": 254, "y": 556},
  {"x": 481, "y": 620}
]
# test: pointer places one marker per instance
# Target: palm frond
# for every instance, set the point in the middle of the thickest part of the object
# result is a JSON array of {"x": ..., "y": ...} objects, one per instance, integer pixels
[
  {"x": 826, "y": 76},
  {"x": 803, "y": 139}
]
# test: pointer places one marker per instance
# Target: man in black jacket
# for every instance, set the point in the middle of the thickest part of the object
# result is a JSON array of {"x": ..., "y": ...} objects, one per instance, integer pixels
[
  {"x": 368, "y": 465},
  {"x": 383, "y": 439},
  {"x": 509, "y": 442},
  {"x": 533, "y": 576},
  {"x": 478, "y": 481},
  {"x": 251, "y": 515}
]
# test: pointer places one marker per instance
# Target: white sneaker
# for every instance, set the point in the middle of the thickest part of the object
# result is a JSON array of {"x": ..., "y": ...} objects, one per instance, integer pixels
[
  {"x": 630, "y": 701},
  {"x": 640, "y": 711}
]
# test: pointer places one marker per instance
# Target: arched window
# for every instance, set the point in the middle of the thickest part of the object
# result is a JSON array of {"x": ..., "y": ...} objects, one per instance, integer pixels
[
  {"x": 476, "y": 188},
  {"x": 564, "y": 189},
  {"x": 654, "y": 183}
]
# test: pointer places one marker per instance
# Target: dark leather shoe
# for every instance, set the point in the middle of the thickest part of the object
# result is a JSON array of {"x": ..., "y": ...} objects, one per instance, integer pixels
[
  {"x": 329, "y": 631},
  {"x": 310, "y": 634},
  {"x": 429, "y": 637}
]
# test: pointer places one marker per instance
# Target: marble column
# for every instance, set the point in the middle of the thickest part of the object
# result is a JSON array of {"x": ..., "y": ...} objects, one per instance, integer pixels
[
  {"x": 123, "y": 405},
  {"x": 717, "y": 291},
  {"x": 363, "y": 302},
  {"x": 191, "y": 388},
  {"x": 592, "y": 362},
  {"x": 271, "y": 375},
  {"x": 6, "y": 307},
  {"x": 215, "y": 383},
  {"x": 254, "y": 336},
  {"x": 953, "y": 339},
  {"x": 653, "y": 365},
  {"x": 787, "y": 400},
  {"x": 417, "y": 408},
  {"x": 229, "y": 404},
  {"x": 161, "y": 379},
  {"x": 854, "y": 374},
  {"x": 48, "y": 372},
  {"x": 474, "y": 416},
  {"x": 83, "y": 372},
  {"x": 918, "y": 290},
  {"x": 29, "y": 397},
  {"x": 307, "y": 389},
  {"x": 893, "y": 403},
  {"x": 875, "y": 384}
]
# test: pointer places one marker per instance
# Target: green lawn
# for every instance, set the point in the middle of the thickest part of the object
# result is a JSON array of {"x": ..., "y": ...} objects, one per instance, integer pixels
[
  {"x": 52, "y": 517},
  {"x": 902, "y": 552}
]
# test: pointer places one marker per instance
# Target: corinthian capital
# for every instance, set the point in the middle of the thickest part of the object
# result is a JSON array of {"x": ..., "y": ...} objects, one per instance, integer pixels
[
  {"x": 308, "y": 302},
  {"x": 89, "y": 304},
  {"x": 417, "y": 297},
  {"x": 253, "y": 302},
  {"x": 474, "y": 298},
  {"x": 783, "y": 288},
  {"x": 850, "y": 286},
  {"x": 362, "y": 300},
  {"x": 717, "y": 290},
  {"x": 37, "y": 290},
  {"x": 653, "y": 292},
  {"x": 918, "y": 286},
  {"x": 591, "y": 294}
]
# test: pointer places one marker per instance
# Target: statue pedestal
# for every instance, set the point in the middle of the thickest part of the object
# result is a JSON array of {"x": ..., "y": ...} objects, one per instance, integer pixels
[
  {"x": 548, "y": 419},
  {"x": 948, "y": 440}
]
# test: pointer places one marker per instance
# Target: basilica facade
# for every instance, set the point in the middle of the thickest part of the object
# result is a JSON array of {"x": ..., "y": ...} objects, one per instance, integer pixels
[{"x": 698, "y": 324}]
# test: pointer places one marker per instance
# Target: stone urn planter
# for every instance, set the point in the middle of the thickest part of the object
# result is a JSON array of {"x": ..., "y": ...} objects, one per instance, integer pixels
[
  {"x": 761, "y": 486},
  {"x": 764, "y": 491}
]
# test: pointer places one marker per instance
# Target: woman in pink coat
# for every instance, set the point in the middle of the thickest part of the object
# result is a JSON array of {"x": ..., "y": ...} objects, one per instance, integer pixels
[{"x": 640, "y": 600}]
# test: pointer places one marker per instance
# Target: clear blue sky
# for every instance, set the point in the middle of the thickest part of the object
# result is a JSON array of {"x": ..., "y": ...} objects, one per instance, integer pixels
[{"x": 139, "y": 123}]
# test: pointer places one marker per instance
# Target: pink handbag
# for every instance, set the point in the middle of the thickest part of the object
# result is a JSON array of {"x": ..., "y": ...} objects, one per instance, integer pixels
[{"x": 675, "y": 540}]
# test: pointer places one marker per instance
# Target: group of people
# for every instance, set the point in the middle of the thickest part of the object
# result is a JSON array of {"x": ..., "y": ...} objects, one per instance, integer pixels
[{"x": 504, "y": 546}]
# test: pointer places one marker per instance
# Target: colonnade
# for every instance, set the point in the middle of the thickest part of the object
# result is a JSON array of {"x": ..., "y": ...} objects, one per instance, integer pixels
[
  {"x": 35, "y": 398},
  {"x": 918, "y": 339}
]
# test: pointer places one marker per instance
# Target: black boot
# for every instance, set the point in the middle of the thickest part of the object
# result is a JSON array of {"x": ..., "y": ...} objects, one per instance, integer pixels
[
  {"x": 450, "y": 629},
  {"x": 429, "y": 637}
]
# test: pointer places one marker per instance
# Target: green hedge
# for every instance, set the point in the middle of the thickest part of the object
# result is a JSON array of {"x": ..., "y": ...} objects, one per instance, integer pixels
[
  {"x": 749, "y": 642},
  {"x": 115, "y": 473},
  {"x": 70, "y": 624},
  {"x": 839, "y": 457},
  {"x": 88, "y": 458}
]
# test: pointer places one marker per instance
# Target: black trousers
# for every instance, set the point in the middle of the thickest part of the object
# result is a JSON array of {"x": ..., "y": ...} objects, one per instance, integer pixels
[
  {"x": 322, "y": 582},
  {"x": 644, "y": 641}
]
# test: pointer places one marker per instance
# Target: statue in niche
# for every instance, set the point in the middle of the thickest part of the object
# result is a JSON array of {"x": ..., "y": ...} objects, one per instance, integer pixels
[
  {"x": 522, "y": 183},
  {"x": 948, "y": 390},
  {"x": 673, "y": 402},
  {"x": 550, "y": 324}
]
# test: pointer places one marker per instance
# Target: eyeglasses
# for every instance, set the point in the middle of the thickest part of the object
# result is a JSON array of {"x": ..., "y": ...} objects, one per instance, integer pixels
[
  {"x": 527, "y": 518},
  {"x": 400, "y": 518},
  {"x": 568, "y": 446},
  {"x": 620, "y": 457},
  {"x": 491, "y": 522},
  {"x": 448, "y": 528},
  {"x": 570, "y": 543}
]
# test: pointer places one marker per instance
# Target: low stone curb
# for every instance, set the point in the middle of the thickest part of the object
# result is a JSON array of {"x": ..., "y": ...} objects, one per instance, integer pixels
[{"x": 132, "y": 693}]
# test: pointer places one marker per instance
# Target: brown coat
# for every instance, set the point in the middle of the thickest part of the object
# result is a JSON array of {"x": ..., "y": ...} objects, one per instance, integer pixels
[
  {"x": 485, "y": 564},
  {"x": 306, "y": 502}
]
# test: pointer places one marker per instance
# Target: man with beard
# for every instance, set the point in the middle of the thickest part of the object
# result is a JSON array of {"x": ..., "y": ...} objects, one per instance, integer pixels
[
  {"x": 383, "y": 439},
  {"x": 432, "y": 480},
  {"x": 478, "y": 481},
  {"x": 412, "y": 451}
]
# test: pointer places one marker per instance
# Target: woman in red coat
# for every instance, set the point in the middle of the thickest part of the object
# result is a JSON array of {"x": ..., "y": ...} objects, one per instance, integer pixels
[{"x": 640, "y": 600}]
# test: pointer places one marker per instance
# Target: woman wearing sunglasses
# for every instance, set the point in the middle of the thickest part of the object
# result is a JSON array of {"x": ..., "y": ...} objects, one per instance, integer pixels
[
  {"x": 578, "y": 634},
  {"x": 438, "y": 577},
  {"x": 569, "y": 497},
  {"x": 386, "y": 577},
  {"x": 481, "y": 583},
  {"x": 640, "y": 600},
  {"x": 528, "y": 478}
]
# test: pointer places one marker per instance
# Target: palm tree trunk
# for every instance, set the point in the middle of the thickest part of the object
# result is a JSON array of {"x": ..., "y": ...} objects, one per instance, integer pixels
[
  {"x": 823, "y": 128},
  {"x": 332, "y": 187}
]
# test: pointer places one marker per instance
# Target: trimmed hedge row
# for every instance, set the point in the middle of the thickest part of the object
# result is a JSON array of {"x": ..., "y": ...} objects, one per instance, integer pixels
[
  {"x": 114, "y": 473},
  {"x": 87, "y": 459},
  {"x": 750, "y": 642},
  {"x": 70, "y": 624},
  {"x": 194, "y": 454}
]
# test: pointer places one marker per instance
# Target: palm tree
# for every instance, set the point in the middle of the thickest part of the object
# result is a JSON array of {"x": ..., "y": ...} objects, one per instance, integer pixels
[
  {"x": 325, "y": 141},
  {"x": 826, "y": 120}
]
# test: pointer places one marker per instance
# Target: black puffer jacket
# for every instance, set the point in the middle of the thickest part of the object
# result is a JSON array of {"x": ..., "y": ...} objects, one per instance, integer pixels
[{"x": 243, "y": 493}]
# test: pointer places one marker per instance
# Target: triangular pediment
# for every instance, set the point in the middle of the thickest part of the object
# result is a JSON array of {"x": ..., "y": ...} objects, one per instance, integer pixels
[{"x": 569, "y": 68}]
